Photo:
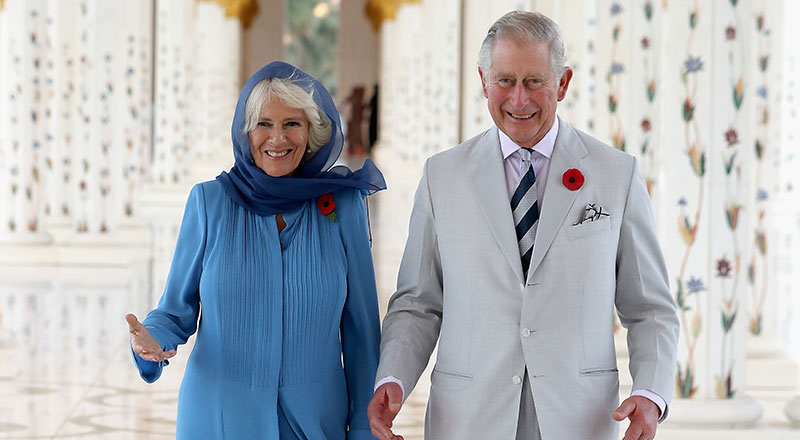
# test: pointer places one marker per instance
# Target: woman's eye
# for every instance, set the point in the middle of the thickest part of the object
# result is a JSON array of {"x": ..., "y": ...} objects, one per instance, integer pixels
[
  {"x": 263, "y": 124},
  {"x": 292, "y": 124}
]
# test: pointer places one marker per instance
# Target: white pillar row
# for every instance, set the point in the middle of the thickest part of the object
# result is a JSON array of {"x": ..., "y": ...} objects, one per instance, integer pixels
[
  {"x": 22, "y": 121},
  {"x": 419, "y": 103},
  {"x": 97, "y": 75}
]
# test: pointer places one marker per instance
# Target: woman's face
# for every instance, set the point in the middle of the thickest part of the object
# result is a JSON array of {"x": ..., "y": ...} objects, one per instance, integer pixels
[{"x": 280, "y": 138}]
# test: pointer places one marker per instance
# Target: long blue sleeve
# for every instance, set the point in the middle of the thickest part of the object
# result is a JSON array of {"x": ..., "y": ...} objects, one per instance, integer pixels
[
  {"x": 360, "y": 323},
  {"x": 175, "y": 318}
]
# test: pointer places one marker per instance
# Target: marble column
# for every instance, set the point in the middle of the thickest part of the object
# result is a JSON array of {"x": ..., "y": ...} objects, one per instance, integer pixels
[
  {"x": 134, "y": 106},
  {"x": 787, "y": 218},
  {"x": 215, "y": 82},
  {"x": 22, "y": 122},
  {"x": 173, "y": 58},
  {"x": 478, "y": 16},
  {"x": 419, "y": 116},
  {"x": 706, "y": 189},
  {"x": 766, "y": 351},
  {"x": 61, "y": 96}
]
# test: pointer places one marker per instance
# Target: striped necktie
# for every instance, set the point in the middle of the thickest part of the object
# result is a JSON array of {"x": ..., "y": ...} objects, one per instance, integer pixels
[{"x": 525, "y": 209}]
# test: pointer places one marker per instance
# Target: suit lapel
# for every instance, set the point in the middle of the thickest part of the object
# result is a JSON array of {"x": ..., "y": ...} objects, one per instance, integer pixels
[
  {"x": 489, "y": 185},
  {"x": 558, "y": 200}
]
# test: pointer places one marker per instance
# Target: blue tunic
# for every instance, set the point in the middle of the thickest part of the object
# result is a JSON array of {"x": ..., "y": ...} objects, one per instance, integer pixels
[{"x": 280, "y": 312}]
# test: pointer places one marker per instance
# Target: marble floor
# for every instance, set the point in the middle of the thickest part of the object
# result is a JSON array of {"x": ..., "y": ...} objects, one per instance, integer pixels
[{"x": 65, "y": 368}]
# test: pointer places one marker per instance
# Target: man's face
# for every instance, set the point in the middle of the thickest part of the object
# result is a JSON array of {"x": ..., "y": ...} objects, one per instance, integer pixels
[{"x": 523, "y": 91}]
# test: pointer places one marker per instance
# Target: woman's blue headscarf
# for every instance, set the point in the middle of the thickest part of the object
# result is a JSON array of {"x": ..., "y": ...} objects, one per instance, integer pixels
[{"x": 263, "y": 194}]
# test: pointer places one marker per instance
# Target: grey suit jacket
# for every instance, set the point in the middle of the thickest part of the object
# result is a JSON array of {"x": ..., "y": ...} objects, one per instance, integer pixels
[{"x": 461, "y": 284}]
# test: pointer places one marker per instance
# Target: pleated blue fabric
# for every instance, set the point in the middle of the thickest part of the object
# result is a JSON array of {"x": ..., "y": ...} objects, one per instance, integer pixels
[{"x": 288, "y": 334}]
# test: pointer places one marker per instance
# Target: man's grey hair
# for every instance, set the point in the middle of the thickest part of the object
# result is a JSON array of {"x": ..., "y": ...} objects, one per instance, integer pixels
[
  {"x": 524, "y": 27},
  {"x": 291, "y": 94}
]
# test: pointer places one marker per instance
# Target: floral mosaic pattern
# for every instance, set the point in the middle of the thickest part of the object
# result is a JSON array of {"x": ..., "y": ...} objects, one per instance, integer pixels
[
  {"x": 647, "y": 125},
  {"x": 758, "y": 267},
  {"x": 614, "y": 79},
  {"x": 728, "y": 265},
  {"x": 688, "y": 288}
]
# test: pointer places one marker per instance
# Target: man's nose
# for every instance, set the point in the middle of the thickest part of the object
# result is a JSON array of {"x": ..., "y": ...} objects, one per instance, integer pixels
[{"x": 519, "y": 96}]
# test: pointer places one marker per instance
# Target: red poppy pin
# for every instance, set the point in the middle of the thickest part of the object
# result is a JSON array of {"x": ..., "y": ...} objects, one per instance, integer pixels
[
  {"x": 572, "y": 179},
  {"x": 326, "y": 206}
]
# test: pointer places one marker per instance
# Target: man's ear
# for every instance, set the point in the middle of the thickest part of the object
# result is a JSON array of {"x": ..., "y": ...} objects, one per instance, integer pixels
[
  {"x": 563, "y": 83},
  {"x": 483, "y": 82}
]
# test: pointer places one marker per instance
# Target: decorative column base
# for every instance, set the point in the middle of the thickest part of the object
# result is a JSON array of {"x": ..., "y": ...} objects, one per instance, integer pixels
[
  {"x": 768, "y": 366},
  {"x": 761, "y": 347},
  {"x": 8, "y": 364},
  {"x": 792, "y": 411},
  {"x": 739, "y": 412},
  {"x": 26, "y": 238}
]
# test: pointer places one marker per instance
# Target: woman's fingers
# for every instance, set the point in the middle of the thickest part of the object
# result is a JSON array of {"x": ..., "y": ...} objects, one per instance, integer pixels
[
  {"x": 143, "y": 344},
  {"x": 133, "y": 323}
]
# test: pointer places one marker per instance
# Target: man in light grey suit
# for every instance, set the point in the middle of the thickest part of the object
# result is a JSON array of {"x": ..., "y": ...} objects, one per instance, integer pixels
[{"x": 521, "y": 303}]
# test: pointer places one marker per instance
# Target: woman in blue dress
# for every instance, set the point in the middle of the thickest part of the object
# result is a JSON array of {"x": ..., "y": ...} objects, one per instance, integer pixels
[{"x": 273, "y": 270}]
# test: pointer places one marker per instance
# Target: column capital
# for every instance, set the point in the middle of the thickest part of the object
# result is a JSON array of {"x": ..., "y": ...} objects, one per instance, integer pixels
[
  {"x": 379, "y": 11},
  {"x": 244, "y": 10}
]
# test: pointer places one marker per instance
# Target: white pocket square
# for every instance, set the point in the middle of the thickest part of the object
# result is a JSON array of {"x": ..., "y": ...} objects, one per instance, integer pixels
[{"x": 591, "y": 213}]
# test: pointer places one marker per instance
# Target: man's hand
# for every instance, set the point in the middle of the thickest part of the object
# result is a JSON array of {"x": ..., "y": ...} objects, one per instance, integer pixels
[
  {"x": 382, "y": 410},
  {"x": 644, "y": 414}
]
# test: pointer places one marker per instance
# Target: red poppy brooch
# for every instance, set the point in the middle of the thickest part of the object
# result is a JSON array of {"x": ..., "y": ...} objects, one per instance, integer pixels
[
  {"x": 572, "y": 179},
  {"x": 326, "y": 206}
]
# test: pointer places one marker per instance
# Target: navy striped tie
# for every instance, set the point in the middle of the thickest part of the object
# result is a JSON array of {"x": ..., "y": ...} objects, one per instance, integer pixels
[{"x": 525, "y": 209}]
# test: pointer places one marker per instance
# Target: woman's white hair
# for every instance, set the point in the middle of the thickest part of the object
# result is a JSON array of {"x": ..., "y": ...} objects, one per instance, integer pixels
[
  {"x": 524, "y": 27},
  {"x": 294, "y": 96}
]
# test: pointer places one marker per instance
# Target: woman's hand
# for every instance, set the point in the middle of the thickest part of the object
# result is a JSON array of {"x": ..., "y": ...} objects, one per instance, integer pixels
[{"x": 143, "y": 344}]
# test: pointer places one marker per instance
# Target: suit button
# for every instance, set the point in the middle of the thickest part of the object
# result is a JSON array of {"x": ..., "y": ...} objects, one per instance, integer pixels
[
  {"x": 525, "y": 332},
  {"x": 516, "y": 380}
]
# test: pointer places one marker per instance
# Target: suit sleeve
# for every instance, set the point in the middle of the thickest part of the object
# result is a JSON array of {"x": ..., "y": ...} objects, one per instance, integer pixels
[
  {"x": 175, "y": 318},
  {"x": 360, "y": 327},
  {"x": 643, "y": 300},
  {"x": 414, "y": 316}
]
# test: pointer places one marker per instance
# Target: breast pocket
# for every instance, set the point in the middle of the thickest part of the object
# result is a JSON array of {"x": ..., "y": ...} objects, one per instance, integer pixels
[{"x": 589, "y": 229}]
